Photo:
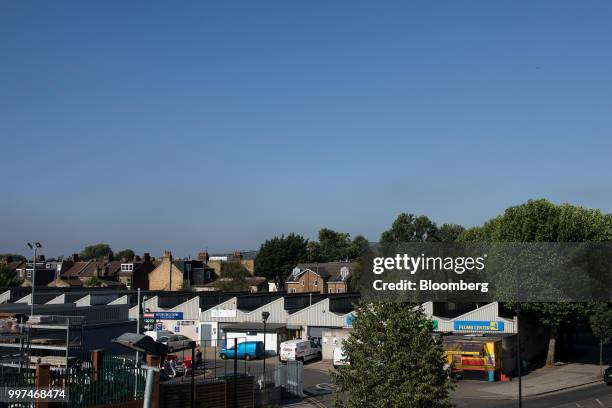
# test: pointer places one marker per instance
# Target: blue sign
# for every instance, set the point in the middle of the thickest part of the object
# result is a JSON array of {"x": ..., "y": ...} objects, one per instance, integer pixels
[
  {"x": 168, "y": 315},
  {"x": 478, "y": 325},
  {"x": 349, "y": 320}
]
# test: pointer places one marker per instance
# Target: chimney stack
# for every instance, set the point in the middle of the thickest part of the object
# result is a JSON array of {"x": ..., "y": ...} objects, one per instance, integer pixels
[
  {"x": 168, "y": 254},
  {"x": 203, "y": 256},
  {"x": 75, "y": 258},
  {"x": 147, "y": 257},
  {"x": 237, "y": 255}
]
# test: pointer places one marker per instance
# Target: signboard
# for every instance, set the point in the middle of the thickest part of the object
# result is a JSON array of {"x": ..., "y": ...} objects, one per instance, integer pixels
[
  {"x": 168, "y": 315},
  {"x": 434, "y": 324},
  {"x": 148, "y": 321},
  {"x": 478, "y": 325},
  {"x": 159, "y": 326},
  {"x": 223, "y": 313},
  {"x": 348, "y": 321}
]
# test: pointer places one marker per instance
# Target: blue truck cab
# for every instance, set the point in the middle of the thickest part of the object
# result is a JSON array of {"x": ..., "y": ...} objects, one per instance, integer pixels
[{"x": 248, "y": 350}]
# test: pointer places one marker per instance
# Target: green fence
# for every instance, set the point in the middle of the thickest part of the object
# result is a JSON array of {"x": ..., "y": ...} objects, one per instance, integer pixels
[{"x": 116, "y": 381}]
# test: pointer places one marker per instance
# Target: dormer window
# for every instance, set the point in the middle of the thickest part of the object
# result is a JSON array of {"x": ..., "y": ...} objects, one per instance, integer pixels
[{"x": 127, "y": 267}]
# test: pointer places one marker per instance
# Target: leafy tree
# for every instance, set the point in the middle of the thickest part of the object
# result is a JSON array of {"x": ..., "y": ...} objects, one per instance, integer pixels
[
  {"x": 233, "y": 276},
  {"x": 92, "y": 281},
  {"x": 543, "y": 221},
  {"x": 126, "y": 254},
  {"x": 8, "y": 276},
  {"x": 410, "y": 228},
  {"x": 334, "y": 245},
  {"x": 601, "y": 325},
  {"x": 449, "y": 232},
  {"x": 279, "y": 255},
  {"x": 395, "y": 361},
  {"x": 15, "y": 257},
  {"x": 96, "y": 252}
]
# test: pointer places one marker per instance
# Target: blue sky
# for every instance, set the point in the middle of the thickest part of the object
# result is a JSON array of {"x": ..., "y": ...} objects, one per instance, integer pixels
[{"x": 217, "y": 125}]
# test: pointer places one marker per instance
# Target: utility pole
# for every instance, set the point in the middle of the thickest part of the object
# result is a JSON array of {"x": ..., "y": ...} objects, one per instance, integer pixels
[
  {"x": 137, "y": 354},
  {"x": 33, "y": 247},
  {"x": 518, "y": 341}
]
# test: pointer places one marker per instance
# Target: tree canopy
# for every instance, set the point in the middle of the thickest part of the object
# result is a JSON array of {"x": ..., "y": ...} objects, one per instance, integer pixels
[
  {"x": 8, "y": 276},
  {"x": 412, "y": 228},
  {"x": 96, "y": 252},
  {"x": 335, "y": 246},
  {"x": 543, "y": 221},
  {"x": 126, "y": 254},
  {"x": 395, "y": 360},
  {"x": 279, "y": 255}
]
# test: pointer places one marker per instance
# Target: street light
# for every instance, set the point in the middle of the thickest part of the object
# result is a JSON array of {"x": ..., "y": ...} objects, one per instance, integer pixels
[
  {"x": 34, "y": 248},
  {"x": 264, "y": 317}
]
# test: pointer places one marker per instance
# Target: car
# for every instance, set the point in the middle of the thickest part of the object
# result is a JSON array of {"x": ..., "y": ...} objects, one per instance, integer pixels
[
  {"x": 155, "y": 334},
  {"x": 608, "y": 376},
  {"x": 176, "y": 342},
  {"x": 299, "y": 350},
  {"x": 340, "y": 357},
  {"x": 247, "y": 350}
]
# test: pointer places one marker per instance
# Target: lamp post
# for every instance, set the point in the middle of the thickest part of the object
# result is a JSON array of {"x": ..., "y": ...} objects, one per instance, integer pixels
[
  {"x": 34, "y": 248},
  {"x": 264, "y": 317}
]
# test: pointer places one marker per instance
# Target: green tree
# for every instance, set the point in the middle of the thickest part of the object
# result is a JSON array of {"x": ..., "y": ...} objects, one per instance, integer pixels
[
  {"x": 92, "y": 281},
  {"x": 15, "y": 257},
  {"x": 126, "y": 254},
  {"x": 279, "y": 255},
  {"x": 334, "y": 245},
  {"x": 601, "y": 325},
  {"x": 96, "y": 252},
  {"x": 449, "y": 232},
  {"x": 410, "y": 228},
  {"x": 395, "y": 361},
  {"x": 543, "y": 221},
  {"x": 232, "y": 278},
  {"x": 8, "y": 276}
]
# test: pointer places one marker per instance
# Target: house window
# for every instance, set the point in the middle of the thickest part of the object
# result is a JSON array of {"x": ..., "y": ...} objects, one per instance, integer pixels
[
  {"x": 331, "y": 290},
  {"x": 338, "y": 290},
  {"x": 292, "y": 290},
  {"x": 29, "y": 273},
  {"x": 127, "y": 267},
  {"x": 302, "y": 283},
  {"x": 315, "y": 282}
]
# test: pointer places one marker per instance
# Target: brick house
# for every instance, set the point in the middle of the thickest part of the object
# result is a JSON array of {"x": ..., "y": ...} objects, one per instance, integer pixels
[
  {"x": 328, "y": 277},
  {"x": 134, "y": 274},
  {"x": 182, "y": 274}
]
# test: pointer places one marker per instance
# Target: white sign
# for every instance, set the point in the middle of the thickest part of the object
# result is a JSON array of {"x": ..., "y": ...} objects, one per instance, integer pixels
[{"x": 223, "y": 313}]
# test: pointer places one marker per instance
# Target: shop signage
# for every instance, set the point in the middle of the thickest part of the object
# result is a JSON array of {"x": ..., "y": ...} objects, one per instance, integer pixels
[
  {"x": 434, "y": 324},
  {"x": 168, "y": 315},
  {"x": 478, "y": 325},
  {"x": 223, "y": 313}
]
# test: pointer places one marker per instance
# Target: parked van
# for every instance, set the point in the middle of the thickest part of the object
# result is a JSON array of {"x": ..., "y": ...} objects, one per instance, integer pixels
[
  {"x": 340, "y": 357},
  {"x": 300, "y": 350},
  {"x": 248, "y": 350}
]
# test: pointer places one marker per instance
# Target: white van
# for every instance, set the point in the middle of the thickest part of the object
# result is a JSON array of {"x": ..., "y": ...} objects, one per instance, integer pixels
[
  {"x": 300, "y": 350},
  {"x": 339, "y": 357}
]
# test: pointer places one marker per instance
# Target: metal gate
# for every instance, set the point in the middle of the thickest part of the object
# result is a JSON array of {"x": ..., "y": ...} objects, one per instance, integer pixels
[{"x": 291, "y": 377}]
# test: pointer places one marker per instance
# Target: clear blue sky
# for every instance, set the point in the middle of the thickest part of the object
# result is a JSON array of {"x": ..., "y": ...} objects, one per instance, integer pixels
[{"x": 185, "y": 125}]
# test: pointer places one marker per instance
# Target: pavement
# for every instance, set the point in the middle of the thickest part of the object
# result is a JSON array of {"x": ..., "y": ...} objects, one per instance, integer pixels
[{"x": 541, "y": 381}]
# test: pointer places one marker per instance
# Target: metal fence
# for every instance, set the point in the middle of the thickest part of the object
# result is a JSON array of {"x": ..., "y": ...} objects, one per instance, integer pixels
[{"x": 118, "y": 380}]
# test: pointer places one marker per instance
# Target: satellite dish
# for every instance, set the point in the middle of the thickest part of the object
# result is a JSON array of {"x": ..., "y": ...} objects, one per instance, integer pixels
[{"x": 344, "y": 272}]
